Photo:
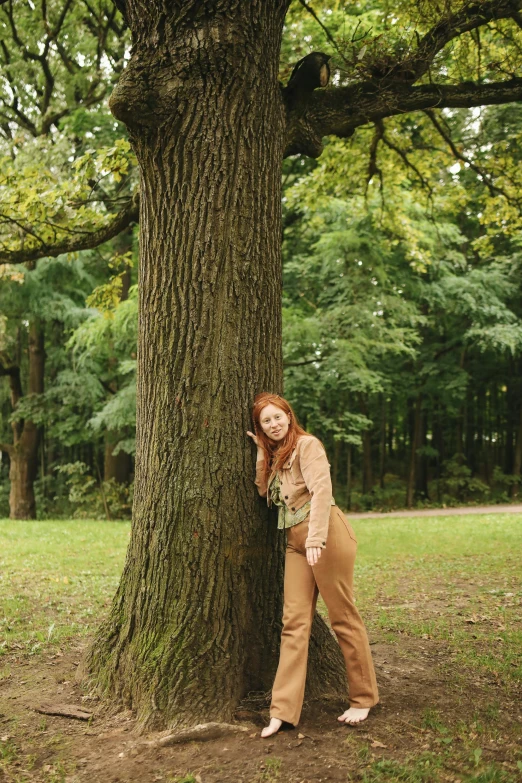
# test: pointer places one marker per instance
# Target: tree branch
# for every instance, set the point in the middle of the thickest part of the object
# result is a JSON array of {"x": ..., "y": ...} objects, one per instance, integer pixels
[
  {"x": 408, "y": 163},
  {"x": 13, "y": 370},
  {"x": 120, "y": 5},
  {"x": 129, "y": 214},
  {"x": 472, "y": 16},
  {"x": 301, "y": 364},
  {"x": 339, "y": 111},
  {"x": 373, "y": 167},
  {"x": 484, "y": 175},
  {"x": 324, "y": 28}
]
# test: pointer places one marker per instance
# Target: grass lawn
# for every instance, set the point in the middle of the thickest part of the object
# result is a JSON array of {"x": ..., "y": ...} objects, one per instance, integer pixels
[
  {"x": 457, "y": 579},
  {"x": 441, "y": 597},
  {"x": 55, "y": 579}
]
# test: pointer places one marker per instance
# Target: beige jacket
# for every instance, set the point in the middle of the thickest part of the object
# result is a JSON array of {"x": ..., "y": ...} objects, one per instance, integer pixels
[{"x": 305, "y": 476}]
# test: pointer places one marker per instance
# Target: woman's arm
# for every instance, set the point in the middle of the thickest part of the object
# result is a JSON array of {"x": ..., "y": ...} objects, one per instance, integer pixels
[{"x": 315, "y": 468}]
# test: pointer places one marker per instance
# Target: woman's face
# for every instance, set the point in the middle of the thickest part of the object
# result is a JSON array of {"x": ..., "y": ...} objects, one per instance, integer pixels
[{"x": 274, "y": 422}]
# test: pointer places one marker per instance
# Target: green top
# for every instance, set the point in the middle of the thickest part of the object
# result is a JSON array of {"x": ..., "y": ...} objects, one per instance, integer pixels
[{"x": 286, "y": 518}]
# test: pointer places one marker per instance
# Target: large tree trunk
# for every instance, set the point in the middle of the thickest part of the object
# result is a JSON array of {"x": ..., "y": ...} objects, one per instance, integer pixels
[
  {"x": 26, "y": 435},
  {"x": 195, "y": 624}
]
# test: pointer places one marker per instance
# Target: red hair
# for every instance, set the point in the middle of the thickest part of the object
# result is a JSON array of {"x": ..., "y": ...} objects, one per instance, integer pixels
[{"x": 275, "y": 454}]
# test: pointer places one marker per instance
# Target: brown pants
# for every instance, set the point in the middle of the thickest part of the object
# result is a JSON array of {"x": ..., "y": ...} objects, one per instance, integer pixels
[{"x": 332, "y": 576}]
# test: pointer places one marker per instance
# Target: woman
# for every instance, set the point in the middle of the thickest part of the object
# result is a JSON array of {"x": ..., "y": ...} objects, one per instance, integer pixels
[{"x": 292, "y": 471}]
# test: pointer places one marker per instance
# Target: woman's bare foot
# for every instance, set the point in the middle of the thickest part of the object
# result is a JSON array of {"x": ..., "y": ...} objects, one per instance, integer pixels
[
  {"x": 273, "y": 727},
  {"x": 354, "y": 715}
]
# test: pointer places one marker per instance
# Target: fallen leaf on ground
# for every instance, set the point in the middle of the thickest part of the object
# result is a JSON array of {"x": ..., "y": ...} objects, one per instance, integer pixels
[{"x": 377, "y": 744}]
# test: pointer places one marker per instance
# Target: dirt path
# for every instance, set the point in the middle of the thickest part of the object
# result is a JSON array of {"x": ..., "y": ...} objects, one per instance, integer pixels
[{"x": 507, "y": 508}]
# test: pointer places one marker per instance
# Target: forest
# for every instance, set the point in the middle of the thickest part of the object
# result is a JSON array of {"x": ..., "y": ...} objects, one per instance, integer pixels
[{"x": 402, "y": 330}]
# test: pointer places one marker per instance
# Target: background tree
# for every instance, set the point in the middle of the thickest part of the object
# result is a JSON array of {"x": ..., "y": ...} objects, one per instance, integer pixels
[{"x": 57, "y": 64}]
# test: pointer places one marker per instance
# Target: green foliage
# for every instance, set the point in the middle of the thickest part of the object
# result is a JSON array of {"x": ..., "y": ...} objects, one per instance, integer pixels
[
  {"x": 400, "y": 286},
  {"x": 386, "y": 498},
  {"x": 368, "y": 36},
  {"x": 107, "y": 296},
  {"x": 457, "y": 481},
  {"x": 100, "y": 348},
  {"x": 89, "y": 499},
  {"x": 66, "y": 165},
  {"x": 401, "y": 257},
  {"x": 58, "y": 61},
  {"x": 45, "y": 203},
  {"x": 342, "y": 315}
]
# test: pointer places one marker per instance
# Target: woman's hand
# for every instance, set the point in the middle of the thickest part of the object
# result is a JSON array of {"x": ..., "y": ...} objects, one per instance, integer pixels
[
  {"x": 313, "y": 553},
  {"x": 254, "y": 437}
]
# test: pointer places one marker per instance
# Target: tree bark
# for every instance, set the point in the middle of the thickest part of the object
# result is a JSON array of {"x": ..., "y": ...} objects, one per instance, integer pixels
[
  {"x": 116, "y": 466},
  {"x": 471, "y": 427},
  {"x": 23, "y": 468},
  {"x": 349, "y": 476},
  {"x": 413, "y": 453},
  {"x": 421, "y": 470},
  {"x": 511, "y": 421},
  {"x": 517, "y": 462},
  {"x": 488, "y": 462},
  {"x": 195, "y": 624},
  {"x": 367, "y": 462},
  {"x": 391, "y": 428},
  {"x": 367, "y": 471},
  {"x": 335, "y": 465},
  {"x": 517, "y": 456},
  {"x": 382, "y": 443}
]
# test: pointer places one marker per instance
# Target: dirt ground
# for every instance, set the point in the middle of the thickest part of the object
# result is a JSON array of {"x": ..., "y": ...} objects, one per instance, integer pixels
[{"x": 427, "y": 707}]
